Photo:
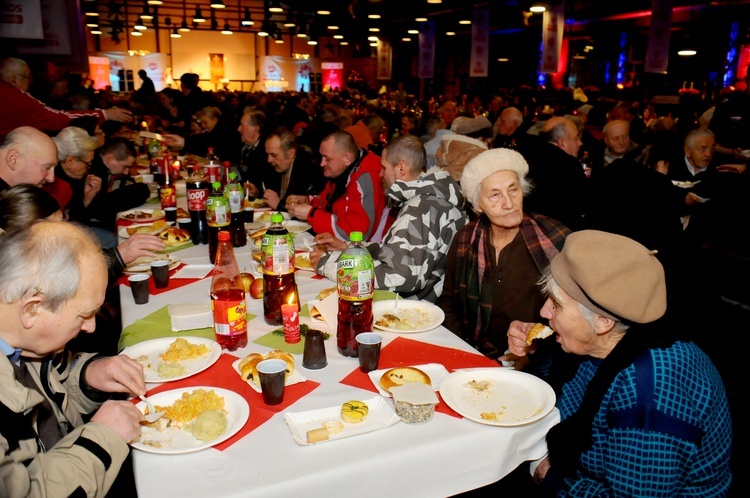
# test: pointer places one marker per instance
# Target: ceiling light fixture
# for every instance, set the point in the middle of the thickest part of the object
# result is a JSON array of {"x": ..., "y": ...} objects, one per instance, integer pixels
[
  {"x": 184, "y": 27},
  {"x": 413, "y": 31},
  {"x": 338, "y": 37},
  {"x": 92, "y": 13},
  {"x": 406, "y": 39},
  {"x": 537, "y": 8},
  {"x": 198, "y": 16},
  {"x": 227, "y": 30},
  {"x": 155, "y": 2},
  {"x": 374, "y": 44},
  {"x": 373, "y": 16},
  {"x": 302, "y": 32},
  {"x": 324, "y": 12},
  {"x": 502, "y": 59},
  {"x": 146, "y": 14},
  {"x": 333, "y": 28},
  {"x": 289, "y": 23},
  {"x": 421, "y": 19},
  {"x": 247, "y": 20},
  {"x": 464, "y": 21},
  {"x": 218, "y": 4},
  {"x": 279, "y": 39},
  {"x": 372, "y": 38},
  {"x": 344, "y": 43},
  {"x": 374, "y": 30},
  {"x": 686, "y": 53},
  {"x": 275, "y": 7},
  {"x": 135, "y": 32},
  {"x": 263, "y": 30},
  {"x": 312, "y": 42},
  {"x": 139, "y": 26},
  {"x": 450, "y": 33},
  {"x": 175, "y": 33},
  {"x": 435, "y": 1},
  {"x": 92, "y": 24},
  {"x": 96, "y": 31}
]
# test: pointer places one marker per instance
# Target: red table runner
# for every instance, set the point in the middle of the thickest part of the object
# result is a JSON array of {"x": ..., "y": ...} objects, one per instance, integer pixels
[
  {"x": 221, "y": 374},
  {"x": 408, "y": 352},
  {"x": 174, "y": 283}
]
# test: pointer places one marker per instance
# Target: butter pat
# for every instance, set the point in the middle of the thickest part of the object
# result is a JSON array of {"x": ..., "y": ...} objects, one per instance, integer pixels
[{"x": 190, "y": 316}]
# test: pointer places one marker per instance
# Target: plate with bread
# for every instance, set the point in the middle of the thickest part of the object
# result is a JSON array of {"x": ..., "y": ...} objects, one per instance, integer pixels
[
  {"x": 150, "y": 228},
  {"x": 168, "y": 358},
  {"x": 195, "y": 418},
  {"x": 247, "y": 368},
  {"x": 497, "y": 396},
  {"x": 175, "y": 237},
  {"x": 302, "y": 261},
  {"x": 431, "y": 374},
  {"x": 350, "y": 418},
  {"x": 142, "y": 215},
  {"x": 405, "y": 316},
  {"x": 143, "y": 263}
]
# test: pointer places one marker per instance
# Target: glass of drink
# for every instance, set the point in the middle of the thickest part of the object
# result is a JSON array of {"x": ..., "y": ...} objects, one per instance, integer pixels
[
  {"x": 368, "y": 344},
  {"x": 272, "y": 379}
]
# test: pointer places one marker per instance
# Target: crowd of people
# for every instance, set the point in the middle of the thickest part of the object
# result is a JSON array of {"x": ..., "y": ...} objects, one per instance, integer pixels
[{"x": 482, "y": 206}]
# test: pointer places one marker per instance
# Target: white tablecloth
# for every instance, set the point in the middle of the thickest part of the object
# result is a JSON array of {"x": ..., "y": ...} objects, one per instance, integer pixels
[{"x": 445, "y": 456}]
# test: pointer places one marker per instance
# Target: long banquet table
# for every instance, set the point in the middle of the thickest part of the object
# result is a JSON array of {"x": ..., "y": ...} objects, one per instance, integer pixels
[{"x": 442, "y": 457}]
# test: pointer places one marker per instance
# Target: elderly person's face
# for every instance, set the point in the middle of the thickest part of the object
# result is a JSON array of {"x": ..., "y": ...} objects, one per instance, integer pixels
[
  {"x": 280, "y": 161},
  {"x": 574, "y": 332},
  {"x": 78, "y": 167},
  {"x": 506, "y": 124},
  {"x": 55, "y": 330},
  {"x": 448, "y": 112},
  {"x": 617, "y": 138},
  {"x": 34, "y": 163},
  {"x": 701, "y": 151},
  {"x": 501, "y": 199},
  {"x": 572, "y": 141},
  {"x": 333, "y": 161},
  {"x": 250, "y": 133}
]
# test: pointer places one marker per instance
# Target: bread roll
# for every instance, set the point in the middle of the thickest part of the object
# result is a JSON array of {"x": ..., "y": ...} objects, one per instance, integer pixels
[
  {"x": 249, "y": 367},
  {"x": 403, "y": 375},
  {"x": 538, "y": 331},
  {"x": 174, "y": 236},
  {"x": 282, "y": 355}
]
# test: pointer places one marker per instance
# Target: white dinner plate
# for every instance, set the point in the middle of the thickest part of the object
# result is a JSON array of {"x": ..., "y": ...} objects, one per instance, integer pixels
[
  {"x": 147, "y": 354},
  {"x": 379, "y": 416},
  {"x": 302, "y": 261},
  {"x": 149, "y": 214},
  {"x": 174, "y": 441},
  {"x": 297, "y": 226},
  {"x": 685, "y": 184},
  {"x": 123, "y": 231},
  {"x": 420, "y": 316},
  {"x": 505, "y": 397},
  {"x": 143, "y": 264},
  {"x": 265, "y": 216}
]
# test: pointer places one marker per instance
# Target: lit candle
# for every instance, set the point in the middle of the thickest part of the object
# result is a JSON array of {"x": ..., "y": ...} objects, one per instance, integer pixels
[{"x": 290, "y": 319}]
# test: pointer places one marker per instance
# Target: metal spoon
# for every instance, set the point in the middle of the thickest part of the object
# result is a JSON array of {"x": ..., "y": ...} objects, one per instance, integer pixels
[{"x": 152, "y": 415}]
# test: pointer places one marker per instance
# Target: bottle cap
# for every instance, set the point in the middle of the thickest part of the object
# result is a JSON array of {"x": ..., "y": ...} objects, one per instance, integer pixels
[
  {"x": 232, "y": 175},
  {"x": 216, "y": 185},
  {"x": 277, "y": 218},
  {"x": 223, "y": 236},
  {"x": 355, "y": 237}
]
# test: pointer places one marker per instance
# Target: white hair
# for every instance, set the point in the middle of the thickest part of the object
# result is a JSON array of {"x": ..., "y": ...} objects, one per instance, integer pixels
[{"x": 75, "y": 142}]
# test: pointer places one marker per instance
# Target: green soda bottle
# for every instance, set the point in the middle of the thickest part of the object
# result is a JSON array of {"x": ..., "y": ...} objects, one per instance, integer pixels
[{"x": 355, "y": 280}]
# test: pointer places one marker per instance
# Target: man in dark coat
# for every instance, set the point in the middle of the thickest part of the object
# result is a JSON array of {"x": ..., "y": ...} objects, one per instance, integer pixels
[{"x": 299, "y": 174}]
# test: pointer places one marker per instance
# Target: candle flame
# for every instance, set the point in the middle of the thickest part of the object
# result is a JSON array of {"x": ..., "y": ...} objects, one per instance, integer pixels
[{"x": 292, "y": 298}]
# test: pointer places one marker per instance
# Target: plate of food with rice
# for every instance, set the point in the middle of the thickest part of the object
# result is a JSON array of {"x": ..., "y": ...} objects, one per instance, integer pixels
[
  {"x": 168, "y": 358},
  {"x": 194, "y": 418}
]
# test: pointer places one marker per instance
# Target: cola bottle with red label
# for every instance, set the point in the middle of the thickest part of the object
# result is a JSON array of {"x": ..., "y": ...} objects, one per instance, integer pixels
[{"x": 198, "y": 189}]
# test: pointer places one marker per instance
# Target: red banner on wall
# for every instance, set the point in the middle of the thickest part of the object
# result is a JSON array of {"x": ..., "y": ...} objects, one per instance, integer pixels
[
  {"x": 552, "y": 36},
  {"x": 480, "y": 42},
  {"x": 385, "y": 56}
]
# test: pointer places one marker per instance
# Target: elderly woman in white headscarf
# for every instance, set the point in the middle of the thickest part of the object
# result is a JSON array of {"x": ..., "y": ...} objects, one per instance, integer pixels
[{"x": 495, "y": 262}]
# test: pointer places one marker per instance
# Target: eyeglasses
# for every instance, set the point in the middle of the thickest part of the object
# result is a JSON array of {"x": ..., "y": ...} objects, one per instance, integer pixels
[{"x": 87, "y": 163}]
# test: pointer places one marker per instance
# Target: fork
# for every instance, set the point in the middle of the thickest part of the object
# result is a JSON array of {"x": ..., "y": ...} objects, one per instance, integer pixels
[
  {"x": 152, "y": 415},
  {"x": 395, "y": 305}
]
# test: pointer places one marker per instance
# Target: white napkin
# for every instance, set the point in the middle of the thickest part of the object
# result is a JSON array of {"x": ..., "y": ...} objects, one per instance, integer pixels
[
  {"x": 329, "y": 308},
  {"x": 193, "y": 271},
  {"x": 190, "y": 316}
]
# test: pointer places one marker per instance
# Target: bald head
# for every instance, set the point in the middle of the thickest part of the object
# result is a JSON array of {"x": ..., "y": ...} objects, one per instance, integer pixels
[
  {"x": 509, "y": 121},
  {"x": 15, "y": 72},
  {"x": 563, "y": 133},
  {"x": 617, "y": 136},
  {"x": 27, "y": 156}
]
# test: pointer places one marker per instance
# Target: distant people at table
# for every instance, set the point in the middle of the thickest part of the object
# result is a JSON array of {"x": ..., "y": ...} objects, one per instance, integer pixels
[
  {"x": 299, "y": 175},
  {"x": 509, "y": 130},
  {"x": 430, "y": 210},
  {"x": 194, "y": 99},
  {"x": 352, "y": 199},
  {"x": 449, "y": 112},
  {"x": 146, "y": 94},
  {"x": 254, "y": 168},
  {"x": 62, "y": 434},
  {"x": 366, "y": 131},
  {"x": 731, "y": 125},
  {"x": 218, "y": 135},
  {"x": 21, "y": 109},
  {"x": 495, "y": 262},
  {"x": 561, "y": 188},
  {"x": 616, "y": 144},
  {"x": 27, "y": 156},
  {"x": 644, "y": 413}
]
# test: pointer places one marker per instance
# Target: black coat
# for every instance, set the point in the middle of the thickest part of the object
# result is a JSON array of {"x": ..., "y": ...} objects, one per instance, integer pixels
[
  {"x": 307, "y": 177},
  {"x": 254, "y": 167}
]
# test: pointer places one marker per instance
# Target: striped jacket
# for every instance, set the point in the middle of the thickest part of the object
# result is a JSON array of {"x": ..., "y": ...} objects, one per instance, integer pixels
[{"x": 85, "y": 462}]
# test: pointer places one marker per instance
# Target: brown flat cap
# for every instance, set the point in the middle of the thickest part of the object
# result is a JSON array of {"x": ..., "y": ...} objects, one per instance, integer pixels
[{"x": 612, "y": 275}]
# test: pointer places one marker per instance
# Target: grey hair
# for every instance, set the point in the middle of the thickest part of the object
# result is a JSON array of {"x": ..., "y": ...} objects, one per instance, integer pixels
[
  {"x": 48, "y": 267},
  {"x": 694, "y": 134},
  {"x": 286, "y": 139},
  {"x": 10, "y": 66},
  {"x": 557, "y": 132},
  {"x": 551, "y": 288},
  {"x": 409, "y": 149},
  {"x": 74, "y": 141}
]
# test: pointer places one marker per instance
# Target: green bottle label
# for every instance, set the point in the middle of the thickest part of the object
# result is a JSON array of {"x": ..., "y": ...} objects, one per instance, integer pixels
[{"x": 355, "y": 278}]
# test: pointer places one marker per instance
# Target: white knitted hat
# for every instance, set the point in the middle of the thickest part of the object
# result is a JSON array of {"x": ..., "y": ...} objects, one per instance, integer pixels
[{"x": 486, "y": 164}]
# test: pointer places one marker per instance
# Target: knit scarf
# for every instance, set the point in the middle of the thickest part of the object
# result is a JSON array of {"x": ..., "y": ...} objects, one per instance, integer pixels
[
  {"x": 475, "y": 279},
  {"x": 570, "y": 438}
]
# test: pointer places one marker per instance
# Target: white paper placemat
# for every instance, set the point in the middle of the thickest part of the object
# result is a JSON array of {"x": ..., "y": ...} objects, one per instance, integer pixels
[{"x": 193, "y": 271}]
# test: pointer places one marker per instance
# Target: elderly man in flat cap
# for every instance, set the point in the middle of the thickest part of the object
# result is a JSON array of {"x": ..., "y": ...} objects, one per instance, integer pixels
[{"x": 643, "y": 413}]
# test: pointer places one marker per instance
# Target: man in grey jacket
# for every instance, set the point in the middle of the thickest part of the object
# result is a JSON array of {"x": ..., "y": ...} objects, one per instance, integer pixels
[
  {"x": 60, "y": 434},
  {"x": 411, "y": 258}
]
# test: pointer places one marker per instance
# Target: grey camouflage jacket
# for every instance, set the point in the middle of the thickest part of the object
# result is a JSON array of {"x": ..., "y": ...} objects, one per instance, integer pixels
[{"x": 411, "y": 258}]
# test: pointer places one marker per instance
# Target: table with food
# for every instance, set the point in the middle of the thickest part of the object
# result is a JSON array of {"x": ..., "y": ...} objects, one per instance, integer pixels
[{"x": 337, "y": 428}]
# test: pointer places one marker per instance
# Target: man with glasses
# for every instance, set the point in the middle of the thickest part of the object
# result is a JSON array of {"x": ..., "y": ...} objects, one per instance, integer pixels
[{"x": 21, "y": 109}]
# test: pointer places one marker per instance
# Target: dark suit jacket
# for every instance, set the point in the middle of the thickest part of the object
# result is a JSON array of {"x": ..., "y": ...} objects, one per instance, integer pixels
[
  {"x": 307, "y": 178},
  {"x": 104, "y": 207},
  {"x": 561, "y": 189},
  {"x": 254, "y": 167}
]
